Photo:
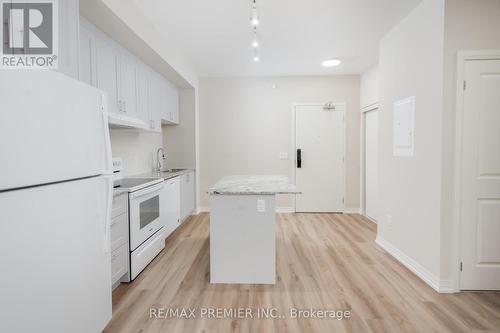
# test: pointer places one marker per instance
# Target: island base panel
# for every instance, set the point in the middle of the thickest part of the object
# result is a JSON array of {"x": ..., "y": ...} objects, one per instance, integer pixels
[{"x": 242, "y": 239}]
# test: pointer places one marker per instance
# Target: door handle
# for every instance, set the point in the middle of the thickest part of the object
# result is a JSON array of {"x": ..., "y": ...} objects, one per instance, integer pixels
[{"x": 299, "y": 158}]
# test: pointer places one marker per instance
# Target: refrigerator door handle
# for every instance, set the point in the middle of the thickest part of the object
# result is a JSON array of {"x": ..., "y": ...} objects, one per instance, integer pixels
[
  {"x": 108, "y": 159},
  {"x": 107, "y": 216}
]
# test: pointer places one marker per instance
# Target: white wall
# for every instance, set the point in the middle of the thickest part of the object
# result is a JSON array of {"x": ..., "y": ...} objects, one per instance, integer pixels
[
  {"x": 411, "y": 64},
  {"x": 369, "y": 87},
  {"x": 179, "y": 140},
  {"x": 245, "y": 124},
  {"x": 469, "y": 25},
  {"x": 136, "y": 148}
]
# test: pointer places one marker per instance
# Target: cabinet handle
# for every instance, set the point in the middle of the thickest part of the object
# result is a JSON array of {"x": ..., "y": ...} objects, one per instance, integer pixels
[{"x": 299, "y": 158}]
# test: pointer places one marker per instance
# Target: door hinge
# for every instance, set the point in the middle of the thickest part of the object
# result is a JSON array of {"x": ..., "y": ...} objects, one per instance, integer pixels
[
  {"x": 465, "y": 85},
  {"x": 461, "y": 266}
]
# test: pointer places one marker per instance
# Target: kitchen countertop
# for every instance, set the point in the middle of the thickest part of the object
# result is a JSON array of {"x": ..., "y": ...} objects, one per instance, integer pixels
[
  {"x": 253, "y": 184},
  {"x": 162, "y": 174}
]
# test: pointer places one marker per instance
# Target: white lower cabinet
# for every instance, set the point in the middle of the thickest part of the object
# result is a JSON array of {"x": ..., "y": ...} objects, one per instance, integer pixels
[
  {"x": 187, "y": 194},
  {"x": 171, "y": 204},
  {"x": 119, "y": 240},
  {"x": 119, "y": 264}
]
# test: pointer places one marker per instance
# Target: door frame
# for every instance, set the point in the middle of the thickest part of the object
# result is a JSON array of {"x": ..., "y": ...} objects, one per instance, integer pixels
[
  {"x": 294, "y": 160},
  {"x": 362, "y": 191},
  {"x": 462, "y": 58}
]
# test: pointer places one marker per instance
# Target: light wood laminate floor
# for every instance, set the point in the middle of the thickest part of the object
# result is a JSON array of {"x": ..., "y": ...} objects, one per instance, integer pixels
[{"x": 324, "y": 261}]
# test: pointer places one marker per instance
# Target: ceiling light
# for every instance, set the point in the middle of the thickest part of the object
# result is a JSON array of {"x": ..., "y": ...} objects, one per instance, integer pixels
[
  {"x": 255, "y": 43},
  {"x": 331, "y": 63},
  {"x": 256, "y": 58},
  {"x": 255, "y": 20}
]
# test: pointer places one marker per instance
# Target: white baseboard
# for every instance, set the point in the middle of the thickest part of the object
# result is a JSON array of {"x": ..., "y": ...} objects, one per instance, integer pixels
[
  {"x": 285, "y": 210},
  {"x": 278, "y": 210},
  {"x": 352, "y": 211},
  {"x": 441, "y": 286},
  {"x": 203, "y": 210}
]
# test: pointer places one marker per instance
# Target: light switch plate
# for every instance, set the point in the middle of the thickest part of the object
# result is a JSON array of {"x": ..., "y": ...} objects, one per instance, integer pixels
[{"x": 261, "y": 205}]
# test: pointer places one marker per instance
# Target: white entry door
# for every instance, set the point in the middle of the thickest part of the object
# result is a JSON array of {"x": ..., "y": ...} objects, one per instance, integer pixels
[
  {"x": 319, "y": 143},
  {"x": 480, "y": 183},
  {"x": 371, "y": 163}
]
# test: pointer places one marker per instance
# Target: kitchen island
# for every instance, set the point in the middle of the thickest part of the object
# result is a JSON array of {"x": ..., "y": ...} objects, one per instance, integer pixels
[{"x": 243, "y": 228}]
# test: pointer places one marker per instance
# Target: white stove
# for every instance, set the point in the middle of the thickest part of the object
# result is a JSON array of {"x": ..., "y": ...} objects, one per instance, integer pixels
[{"x": 146, "y": 222}]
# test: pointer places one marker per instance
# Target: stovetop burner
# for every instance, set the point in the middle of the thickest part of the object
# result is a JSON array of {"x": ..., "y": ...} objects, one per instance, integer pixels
[{"x": 134, "y": 184}]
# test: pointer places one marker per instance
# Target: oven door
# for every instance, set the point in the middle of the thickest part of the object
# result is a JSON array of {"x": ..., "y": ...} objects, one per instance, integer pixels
[{"x": 145, "y": 217}]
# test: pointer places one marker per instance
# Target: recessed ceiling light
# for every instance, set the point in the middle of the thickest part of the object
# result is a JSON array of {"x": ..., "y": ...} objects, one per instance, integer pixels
[
  {"x": 256, "y": 59},
  {"x": 255, "y": 43},
  {"x": 331, "y": 63}
]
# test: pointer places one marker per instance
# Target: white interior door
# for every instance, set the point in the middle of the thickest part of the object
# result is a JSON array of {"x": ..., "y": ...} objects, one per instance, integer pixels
[
  {"x": 480, "y": 191},
  {"x": 319, "y": 142},
  {"x": 371, "y": 163}
]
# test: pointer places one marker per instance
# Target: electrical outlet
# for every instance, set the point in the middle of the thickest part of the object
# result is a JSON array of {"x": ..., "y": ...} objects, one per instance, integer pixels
[
  {"x": 389, "y": 220},
  {"x": 261, "y": 205}
]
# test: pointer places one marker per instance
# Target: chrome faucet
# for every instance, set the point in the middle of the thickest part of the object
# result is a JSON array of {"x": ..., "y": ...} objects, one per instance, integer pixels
[{"x": 159, "y": 165}]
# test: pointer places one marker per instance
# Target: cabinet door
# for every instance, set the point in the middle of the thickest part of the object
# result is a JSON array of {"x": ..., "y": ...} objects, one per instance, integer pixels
[
  {"x": 174, "y": 103},
  {"x": 87, "y": 59},
  {"x": 170, "y": 102},
  {"x": 155, "y": 100},
  {"x": 171, "y": 203},
  {"x": 143, "y": 100},
  {"x": 107, "y": 71},
  {"x": 187, "y": 195},
  {"x": 128, "y": 84},
  {"x": 68, "y": 62}
]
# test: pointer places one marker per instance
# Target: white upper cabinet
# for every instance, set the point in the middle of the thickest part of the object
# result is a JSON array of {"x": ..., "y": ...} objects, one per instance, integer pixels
[
  {"x": 155, "y": 100},
  {"x": 87, "y": 58},
  {"x": 170, "y": 103},
  {"x": 127, "y": 75},
  {"x": 143, "y": 100},
  {"x": 68, "y": 37},
  {"x": 138, "y": 96},
  {"x": 107, "y": 66}
]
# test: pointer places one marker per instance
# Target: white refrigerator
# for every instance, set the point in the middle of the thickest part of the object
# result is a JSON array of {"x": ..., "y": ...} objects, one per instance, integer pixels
[{"x": 55, "y": 203}]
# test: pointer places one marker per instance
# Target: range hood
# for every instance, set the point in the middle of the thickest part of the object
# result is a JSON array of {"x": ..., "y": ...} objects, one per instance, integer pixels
[{"x": 123, "y": 121}]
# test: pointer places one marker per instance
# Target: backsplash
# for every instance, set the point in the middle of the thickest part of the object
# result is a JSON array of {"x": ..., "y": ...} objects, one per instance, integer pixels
[{"x": 136, "y": 148}]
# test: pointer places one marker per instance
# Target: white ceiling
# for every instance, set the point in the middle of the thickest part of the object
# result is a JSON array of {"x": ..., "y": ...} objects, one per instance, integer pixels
[{"x": 295, "y": 35}]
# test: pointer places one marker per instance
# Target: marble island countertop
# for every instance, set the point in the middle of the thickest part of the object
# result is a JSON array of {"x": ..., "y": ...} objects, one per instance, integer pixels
[{"x": 253, "y": 184}]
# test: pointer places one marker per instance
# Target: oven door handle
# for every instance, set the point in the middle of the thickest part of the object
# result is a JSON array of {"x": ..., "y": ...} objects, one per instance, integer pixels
[{"x": 145, "y": 191}]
